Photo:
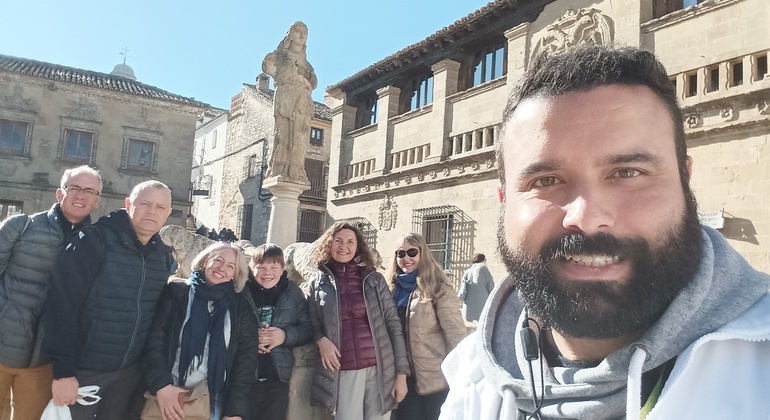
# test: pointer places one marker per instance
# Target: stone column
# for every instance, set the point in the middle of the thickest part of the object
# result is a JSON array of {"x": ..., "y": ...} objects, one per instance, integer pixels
[
  {"x": 343, "y": 120},
  {"x": 284, "y": 207},
  {"x": 518, "y": 53},
  {"x": 445, "y": 79},
  {"x": 387, "y": 107}
]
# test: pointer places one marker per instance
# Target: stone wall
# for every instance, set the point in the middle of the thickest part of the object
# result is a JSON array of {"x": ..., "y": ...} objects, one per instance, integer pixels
[{"x": 113, "y": 117}]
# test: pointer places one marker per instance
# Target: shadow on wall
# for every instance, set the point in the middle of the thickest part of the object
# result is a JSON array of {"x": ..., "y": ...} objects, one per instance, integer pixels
[{"x": 739, "y": 229}]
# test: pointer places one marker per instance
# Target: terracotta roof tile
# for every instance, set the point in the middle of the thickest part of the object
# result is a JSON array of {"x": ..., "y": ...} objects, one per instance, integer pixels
[{"x": 89, "y": 78}]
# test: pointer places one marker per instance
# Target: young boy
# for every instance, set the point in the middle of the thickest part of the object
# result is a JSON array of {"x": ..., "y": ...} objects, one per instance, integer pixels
[{"x": 281, "y": 311}]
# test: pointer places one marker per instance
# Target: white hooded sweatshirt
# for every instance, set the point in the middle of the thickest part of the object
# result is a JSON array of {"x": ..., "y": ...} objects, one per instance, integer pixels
[{"x": 718, "y": 328}]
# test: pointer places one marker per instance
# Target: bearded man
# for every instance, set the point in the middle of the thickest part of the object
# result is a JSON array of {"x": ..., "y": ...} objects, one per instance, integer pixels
[{"x": 618, "y": 303}]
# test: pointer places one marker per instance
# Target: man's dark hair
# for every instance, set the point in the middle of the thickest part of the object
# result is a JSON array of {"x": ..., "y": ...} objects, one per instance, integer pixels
[
  {"x": 590, "y": 66},
  {"x": 477, "y": 258}
]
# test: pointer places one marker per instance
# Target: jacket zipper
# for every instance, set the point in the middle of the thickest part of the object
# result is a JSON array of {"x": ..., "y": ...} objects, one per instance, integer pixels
[
  {"x": 374, "y": 336},
  {"x": 138, "y": 311},
  {"x": 333, "y": 282}
]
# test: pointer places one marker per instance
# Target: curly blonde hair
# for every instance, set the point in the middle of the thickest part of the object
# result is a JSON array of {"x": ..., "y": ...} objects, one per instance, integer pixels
[
  {"x": 211, "y": 251},
  {"x": 430, "y": 277},
  {"x": 322, "y": 253}
]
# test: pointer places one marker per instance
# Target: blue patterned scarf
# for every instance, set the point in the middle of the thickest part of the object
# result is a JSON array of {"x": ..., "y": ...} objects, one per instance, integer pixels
[
  {"x": 405, "y": 283},
  {"x": 202, "y": 324}
]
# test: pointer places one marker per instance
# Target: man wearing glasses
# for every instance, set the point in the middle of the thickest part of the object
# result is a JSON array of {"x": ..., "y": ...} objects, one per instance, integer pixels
[
  {"x": 29, "y": 248},
  {"x": 101, "y": 304}
]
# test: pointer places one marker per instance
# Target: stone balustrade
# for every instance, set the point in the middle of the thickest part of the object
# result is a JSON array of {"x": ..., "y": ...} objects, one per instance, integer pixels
[
  {"x": 358, "y": 169},
  {"x": 471, "y": 141},
  {"x": 409, "y": 156}
]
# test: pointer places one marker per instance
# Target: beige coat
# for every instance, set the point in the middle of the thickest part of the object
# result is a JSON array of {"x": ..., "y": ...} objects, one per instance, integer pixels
[{"x": 433, "y": 329}]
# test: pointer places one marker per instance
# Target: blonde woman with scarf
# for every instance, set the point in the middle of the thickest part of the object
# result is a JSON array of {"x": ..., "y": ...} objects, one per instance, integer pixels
[
  {"x": 204, "y": 332},
  {"x": 430, "y": 315}
]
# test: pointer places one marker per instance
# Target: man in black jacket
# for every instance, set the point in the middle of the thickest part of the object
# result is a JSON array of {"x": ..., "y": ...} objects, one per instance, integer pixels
[
  {"x": 29, "y": 246},
  {"x": 101, "y": 304},
  {"x": 281, "y": 311}
]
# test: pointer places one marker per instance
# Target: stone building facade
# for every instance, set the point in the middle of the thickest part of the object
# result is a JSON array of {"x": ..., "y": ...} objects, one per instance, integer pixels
[
  {"x": 208, "y": 167},
  {"x": 243, "y": 202},
  {"x": 54, "y": 117},
  {"x": 413, "y": 135}
]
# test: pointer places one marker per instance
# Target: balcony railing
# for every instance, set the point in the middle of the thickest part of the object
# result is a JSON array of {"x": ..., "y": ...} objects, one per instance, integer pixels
[
  {"x": 358, "y": 169},
  {"x": 410, "y": 156},
  {"x": 479, "y": 139}
]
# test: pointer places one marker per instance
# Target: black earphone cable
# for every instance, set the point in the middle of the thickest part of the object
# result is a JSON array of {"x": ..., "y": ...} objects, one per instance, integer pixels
[{"x": 532, "y": 345}]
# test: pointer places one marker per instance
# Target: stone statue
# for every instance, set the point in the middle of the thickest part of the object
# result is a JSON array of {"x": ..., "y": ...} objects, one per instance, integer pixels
[{"x": 292, "y": 104}]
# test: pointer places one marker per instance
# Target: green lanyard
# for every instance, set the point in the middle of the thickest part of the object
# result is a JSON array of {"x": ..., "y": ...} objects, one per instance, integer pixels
[{"x": 655, "y": 394}]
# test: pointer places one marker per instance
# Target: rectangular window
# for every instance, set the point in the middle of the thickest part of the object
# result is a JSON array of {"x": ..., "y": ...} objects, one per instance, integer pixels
[
  {"x": 664, "y": 7},
  {"x": 13, "y": 137},
  {"x": 692, "y": 84},
  {"x": 366, "y": 112},
  {"x": 761, "y": 67},
  {"x": 10, "y": 208},
  {"x": 141, "y": 155},
  {"x": 437, "y": 231},
  {"x": 214, "y": 139},
  {"x": 489, "y": 63},
  {"x": 253, "y": 166},
  {"x": 246, "y": 215},
  {"x": 77, "y": 146},
  {"x": 316, "y": 136},
  {"x": 737, "y": 73},
  {"x": 373, "y": 109},
  {"x": 422, "y": 91},
  {"x": 713, "y": 75},
  {"x": 315, "y": 170},
  {"x": 311, "y": 225}
]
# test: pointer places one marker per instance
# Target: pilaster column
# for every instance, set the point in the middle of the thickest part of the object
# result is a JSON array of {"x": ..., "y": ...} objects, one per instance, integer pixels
[
  {"x": 445, "y": 77},
  {"x": 387, "y": 108},
  {"x": 343, "y": 120},
  {"x": 518, "y": 53}
]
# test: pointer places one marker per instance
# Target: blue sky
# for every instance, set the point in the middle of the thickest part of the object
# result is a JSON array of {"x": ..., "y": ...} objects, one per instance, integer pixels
[{"x": 206, "y": 50}]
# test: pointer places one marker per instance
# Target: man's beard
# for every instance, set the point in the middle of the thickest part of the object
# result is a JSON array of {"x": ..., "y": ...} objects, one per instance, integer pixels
[{"x": 598, "y": 309}]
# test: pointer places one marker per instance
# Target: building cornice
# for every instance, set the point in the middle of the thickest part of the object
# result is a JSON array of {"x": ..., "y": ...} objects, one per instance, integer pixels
[{"x": 455, "y": 171}]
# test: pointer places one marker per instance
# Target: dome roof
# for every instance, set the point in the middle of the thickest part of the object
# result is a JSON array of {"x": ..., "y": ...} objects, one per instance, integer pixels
[{"x": 124, "y": 70}]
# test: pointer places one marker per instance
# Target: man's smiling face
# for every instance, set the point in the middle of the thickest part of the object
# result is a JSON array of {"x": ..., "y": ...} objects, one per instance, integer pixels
[{"x": 594, "y": 209}]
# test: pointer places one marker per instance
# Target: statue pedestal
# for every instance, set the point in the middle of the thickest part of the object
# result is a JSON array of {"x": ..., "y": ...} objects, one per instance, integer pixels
[{"x": 282, "y": 228}]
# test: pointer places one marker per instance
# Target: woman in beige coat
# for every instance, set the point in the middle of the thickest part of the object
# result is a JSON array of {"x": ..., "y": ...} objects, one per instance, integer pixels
[{"x": 432, "y": 322}]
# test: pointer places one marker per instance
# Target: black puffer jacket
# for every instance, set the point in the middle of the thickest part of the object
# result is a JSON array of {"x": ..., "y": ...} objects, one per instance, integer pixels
[
  {"x": 290, "y": 315},
  {"x": 163, "y": 342},
  {"x": 102, "y": 297},
  {"x": 26, "y": 262}
]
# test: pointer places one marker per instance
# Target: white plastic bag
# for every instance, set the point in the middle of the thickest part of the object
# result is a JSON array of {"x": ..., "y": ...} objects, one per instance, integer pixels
[
  {"x": 56, "y": 412},
  {"x": 87, "y": 396}
]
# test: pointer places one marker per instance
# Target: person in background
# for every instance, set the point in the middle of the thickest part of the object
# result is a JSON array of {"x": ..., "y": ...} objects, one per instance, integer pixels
[
  {"x": 430, "y": 316},
  {"x": 280, "y": 308},
  {"x": 204, "y": 331},
  {"x": 29, "y": 248},
  {"x": 475, "y": 288},
  {"x": 363, "y": 366},
  {"x": 101, "y": 302}
]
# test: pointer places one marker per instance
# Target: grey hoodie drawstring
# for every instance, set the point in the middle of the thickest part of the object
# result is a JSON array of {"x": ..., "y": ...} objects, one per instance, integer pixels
[
  {"x": 634, "y": 387},
  {"x": 508, "y": 408}
]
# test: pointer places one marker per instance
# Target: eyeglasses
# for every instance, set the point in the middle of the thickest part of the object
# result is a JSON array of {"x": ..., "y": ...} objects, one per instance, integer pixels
[
  {"x": 74, "y": 189},
  {"x": 412, "y": 252}
]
